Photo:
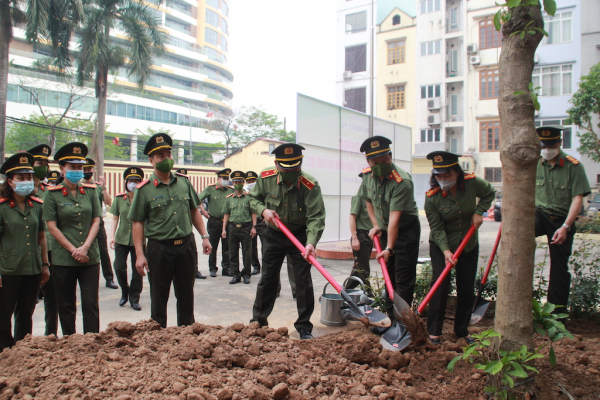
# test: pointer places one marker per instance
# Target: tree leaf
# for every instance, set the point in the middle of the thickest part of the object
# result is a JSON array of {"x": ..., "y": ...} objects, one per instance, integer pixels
[
  {"x": 548, "y": 308},
  {"x": 497, "y": 23},
  {"x": 533, "y": 357},
  {"x": 490, "y": 389},
  {"x": 522, "y": 34},
  {"x": 509, "y": 380},
  {"x": 536, "y": 103},
  {"x": 513, "y": 3},
  {"x": 518, "y": 93},
  {"x": 552, "y": 356},
  {"x": 450, "y": 366},
  {"x": 531, "y": 369},
  {"x": 519, "y": 372},
  {"x": 494, "y": 367},
  {"x": 550, "y": 7}
]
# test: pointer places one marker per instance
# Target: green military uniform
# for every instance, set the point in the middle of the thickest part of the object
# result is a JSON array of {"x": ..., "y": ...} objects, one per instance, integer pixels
[
  {"x": 555, "y": 187},
  {"x": 395, "y": 192},
  {"x": 301, "y": 209},
  {"x": 74, "y": 216},
  {"x": 165, "y": 210},
  {"x": 449, "y": 219},
  {"x": 259, "y": 226},
  {"x": 20, "y": 256},
  {"x": 216, "y": 196},
  {"x": 361, "y": 268}
]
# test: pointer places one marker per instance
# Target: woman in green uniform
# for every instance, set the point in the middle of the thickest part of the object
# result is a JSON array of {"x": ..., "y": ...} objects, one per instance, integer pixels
[
  {"x": 23, "y": 254},
  {"x": 122, "y": 240},
  {"x": 72, "y": 212},
  {"x": 451, "y": 207}
]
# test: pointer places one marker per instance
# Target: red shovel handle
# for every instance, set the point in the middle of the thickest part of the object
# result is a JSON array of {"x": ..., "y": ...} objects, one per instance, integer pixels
[
  {"x": 492, "y": 256},
  {"x": 446, "y": 271},
  {"x": 311, "y": 258},
  {"x": 384, "y": 270}
]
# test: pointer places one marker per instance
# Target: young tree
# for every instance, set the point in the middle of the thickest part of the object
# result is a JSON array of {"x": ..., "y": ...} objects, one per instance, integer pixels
[
  {"x": 223, "y": 124},
  {"x": 257, "y": 123},
  {"x": 586, "y": 108}
]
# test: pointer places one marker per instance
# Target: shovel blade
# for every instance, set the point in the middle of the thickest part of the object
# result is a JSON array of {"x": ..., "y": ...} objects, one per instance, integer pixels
[
  {"x": 375, "y": 318},
  {"x": 396, "y": 338},
  {"x": 479, "y": 311},
  {"x": 400, "y": 305}
]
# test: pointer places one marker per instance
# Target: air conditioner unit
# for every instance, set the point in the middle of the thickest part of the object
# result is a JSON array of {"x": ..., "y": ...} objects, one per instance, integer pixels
[
  {"x": 433, "y": 104},
  {"x": 347, "y": 75},
  {"x": 472, "y": 49},
  {"x": 536, "y": 58},
  {"x": 433, "y": 119},
  {"x": 474, "y": 60}
]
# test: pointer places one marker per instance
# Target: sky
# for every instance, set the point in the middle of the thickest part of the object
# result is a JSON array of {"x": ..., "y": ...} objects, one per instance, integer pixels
[{"x": 278, "y": 48}]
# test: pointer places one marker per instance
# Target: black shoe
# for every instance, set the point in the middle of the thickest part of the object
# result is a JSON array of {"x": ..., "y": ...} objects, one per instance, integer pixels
[
  {"x": 246, "y": 281},
  {"x": 122, "y": 301},
  {"x": 213, "y": 274},
  {"x": 227, "y": 273},
  {"x": 111, "y": 285},
  {"x": 136, "y": 306},
  {"x": 470, "y": 340},
  {"x": 235, "y": 280},
  {"x": 256, "y": 271},
  {"x": 294, "y": 297},
  {"x": 304, "y": 334},
  {"x": 379, "y": 330},
  {"x": 200, "y": 276},
  {"x": 436, "y": 341}
]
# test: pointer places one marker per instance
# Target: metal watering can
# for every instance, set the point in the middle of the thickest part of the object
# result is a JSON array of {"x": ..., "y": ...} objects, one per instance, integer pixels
[{"x": 333, "y": 305}]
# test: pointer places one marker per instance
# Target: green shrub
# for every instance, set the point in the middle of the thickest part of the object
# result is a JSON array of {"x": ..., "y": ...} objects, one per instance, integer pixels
[
  {"x": 585, "y": 280},
  {"x": 588, "y": 225}
]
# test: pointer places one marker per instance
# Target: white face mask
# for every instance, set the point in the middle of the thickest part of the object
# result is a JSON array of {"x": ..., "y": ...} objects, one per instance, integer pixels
[
  {"x": 131, "y": 186},
  {"x": 223, "y": 182},
  {"x": 549, "y": 154},
  {"x": 249, "y": 186},
  {"x": 446, "y": 185}
]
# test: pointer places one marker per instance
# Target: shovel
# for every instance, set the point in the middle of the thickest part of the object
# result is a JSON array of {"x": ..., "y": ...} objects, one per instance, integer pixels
[
  {"x": 480, "y": 305},
  {"x": 364, "y": 313}
]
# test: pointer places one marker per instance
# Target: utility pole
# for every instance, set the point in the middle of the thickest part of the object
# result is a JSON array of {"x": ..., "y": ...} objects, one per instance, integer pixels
[
  {"x": 284, "y": 121},
  {"x": 371, "y": 133}
]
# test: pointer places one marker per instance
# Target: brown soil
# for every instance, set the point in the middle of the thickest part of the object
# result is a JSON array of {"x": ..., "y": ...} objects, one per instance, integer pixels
[
  {"x": 199, "y": 362},
  {"x": 416, "y": 327}
]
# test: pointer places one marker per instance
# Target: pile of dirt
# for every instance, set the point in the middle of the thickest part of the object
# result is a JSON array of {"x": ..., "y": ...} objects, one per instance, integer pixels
[{"x": 201, "y": 362}]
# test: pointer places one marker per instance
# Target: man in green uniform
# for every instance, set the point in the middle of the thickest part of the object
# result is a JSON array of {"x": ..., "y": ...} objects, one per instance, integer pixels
[
  {"x": 53, "y": 177},
  {"x": 295, "y": 197},
  {"x": 560, "y": 186},
  {"x": 163, "y": 210},
  {"x": 362, "y": 244},
  {"x": 103, "y": 197},
  {"x": 216, "y": 195},
  {"x": 240, "y": 221},
  {"x": 251, "y": 178},
  {"x": 388, "y": 191}
]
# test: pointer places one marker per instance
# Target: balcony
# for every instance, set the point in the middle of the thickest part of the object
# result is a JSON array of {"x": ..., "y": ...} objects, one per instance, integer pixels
[
  {"x": 214, "y": 55},
  {"x": 184, "y": 28},
  {"x": 182, "y": 44},
  {"x": 214, "y": 76}
]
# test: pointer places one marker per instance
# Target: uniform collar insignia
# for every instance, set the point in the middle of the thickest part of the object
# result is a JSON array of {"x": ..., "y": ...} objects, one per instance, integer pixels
[
  {"x": 12, "y": 204},
  {"x": 155, "y": 181}
]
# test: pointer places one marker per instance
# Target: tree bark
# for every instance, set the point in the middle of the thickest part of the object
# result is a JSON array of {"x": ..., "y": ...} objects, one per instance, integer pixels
[
  {"x": 519, "y": 153},
  {"x": 101, "y": 86},
  {"x": 5, "y": 38}
]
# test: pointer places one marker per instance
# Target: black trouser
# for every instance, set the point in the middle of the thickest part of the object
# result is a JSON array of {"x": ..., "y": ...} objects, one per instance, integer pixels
[
  {"x": 465, "y": 270},
  {"x": 291, "y": 276},
  {"x": 402, "y": 266},
  {"x": 215, "y": 228},
  {"x": 18, "y": 296},
  {"x": 240, "y": 236},
  {"x": 66, "y": 279},
  {"x": 260, "y": 224},
  {"x": 275, "y": 247},
  {"x": 133, "y": 291},
  {"x": 361, "y": 268},
  {"x": 171, "y": 263},
  {"x": 104, "y": 257},
  {"x": 50, "y": 305},
  {"x": 559, "y": 286}
]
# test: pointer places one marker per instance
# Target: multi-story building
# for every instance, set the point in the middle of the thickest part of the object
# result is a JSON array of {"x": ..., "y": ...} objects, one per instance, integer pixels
[{"x": 189, "y": 81}]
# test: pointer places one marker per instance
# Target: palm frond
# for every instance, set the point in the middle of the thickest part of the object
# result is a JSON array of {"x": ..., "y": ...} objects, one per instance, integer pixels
[{"x": 37, "y": 19}]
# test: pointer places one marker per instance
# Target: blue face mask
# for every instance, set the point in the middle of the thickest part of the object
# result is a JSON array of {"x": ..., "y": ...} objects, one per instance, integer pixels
[
  {"x": 74, "y": 176},
  {"x": 23, "y": 188}
]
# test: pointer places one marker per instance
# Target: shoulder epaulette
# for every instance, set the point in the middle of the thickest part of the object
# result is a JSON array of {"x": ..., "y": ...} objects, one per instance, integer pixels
[
  {"x": 180, "y": 174},
  {"x": 43, "y": 186},
  {"x": 53, "y": 188},
  {"x": 433, "y": 191},
  {"x": 396, "y": 176},
  {"x": 36, "y": 199},
  {"x": 121, "y": 194},
  {"x": 470, "y": 176},
  {"x": 97, "y": 183},
  {"x": 142, "y": 183},
  {"x": 306, "y": 182},
  {"x": 3, "y": 199},
  {"x": 268, "y": 173},
  {"x": 230, "y": 187},
  {"x": 89, "y": 185},
  {"x": 366, "y": 170},
  {"x": 573, "y": 160},
  {"x": 229, "y": 195}
]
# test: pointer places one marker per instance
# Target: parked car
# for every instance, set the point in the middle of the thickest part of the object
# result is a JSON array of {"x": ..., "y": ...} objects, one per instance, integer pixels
[
  {"x": 594, "y": 207},
  {"x": 498, "y": 207}
]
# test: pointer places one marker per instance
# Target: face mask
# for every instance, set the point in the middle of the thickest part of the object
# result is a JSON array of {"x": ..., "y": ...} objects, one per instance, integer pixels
[
  {"x": 249, "y": 186},
  {"x": 23, "y": 188},
  {"x": 549, "y": 154},
  {"x": 88, "y": 175},
  {"x": 239, "y": 187},
  {"x": 131, "y": 186},
  {"x": 447, "y": 185},
  {"x": 52, "y": 183},
  {"x": 382, "y": 170},
  {"x": 73, "y": 176},
  {"x": 165, "y": 165},
  {"x": 40, "y": 172},
  {"x": 290, "y": 176}
]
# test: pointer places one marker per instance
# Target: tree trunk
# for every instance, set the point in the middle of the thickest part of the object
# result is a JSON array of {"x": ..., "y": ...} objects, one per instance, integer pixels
[
  {"x": 5, "y": 38},
  {"x": 102, "y": 86},
  {"x": 519, "y": 153}
]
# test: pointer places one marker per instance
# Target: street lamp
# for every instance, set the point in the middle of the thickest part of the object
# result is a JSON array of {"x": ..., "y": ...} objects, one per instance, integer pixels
[{"x": 190, "y": 157}]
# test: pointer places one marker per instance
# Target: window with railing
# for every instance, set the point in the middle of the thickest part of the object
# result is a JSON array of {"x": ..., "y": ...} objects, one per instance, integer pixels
[
  {"x": 211, "y": 36},
  {"x": 395, "y": 97},
  {"x": 159, "y": 80},
  {"x": 173, "y": 41},
  {"x": 211, "y": 18},
  {"x": 396, "y": 52},
  {"x": 490, "y": 136},
  {"x": 178, "y": 26},
  {"x": 184, "y": 8},
  {"x": 356, "y": 22},
  {"x": 213, "y": 54}
]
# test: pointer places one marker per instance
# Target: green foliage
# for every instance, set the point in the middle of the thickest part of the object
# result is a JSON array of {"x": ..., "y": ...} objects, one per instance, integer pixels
[
  {"x": 532, "y": 92},
  {"x": 546, "y": 323},
  {"x": 254, "y": 123},
  {"x": 588, "y": 225},
  {"x": 585, "y": 281},
  {"x": 423, "y": 283},
  {"x": 506, "y": 10},
  {"x": 381, "y": 301}
]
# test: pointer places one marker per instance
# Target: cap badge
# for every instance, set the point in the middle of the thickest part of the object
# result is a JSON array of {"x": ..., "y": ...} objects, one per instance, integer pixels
[
  {"x": 288, "y": 150},
  {"x": 438, "y": 159},
  {"x": 374, "y": 143},
  {"x": 76, "y": 150},
  {"x": 160, "y": 139},
  {"x": 23, "y": 160},
  {"x": 546, "y": 133},
  {"x": 134, "y": 171},
  {"x": 237, "y": 174},
  {"x": 45, "y": 150}
]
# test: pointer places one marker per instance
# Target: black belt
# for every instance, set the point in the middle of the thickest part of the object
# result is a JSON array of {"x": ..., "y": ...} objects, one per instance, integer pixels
[
  {"x": 218, "y": 219},
  {"x": 176, "y": 242},
  {"x": 245, "y": 224}
]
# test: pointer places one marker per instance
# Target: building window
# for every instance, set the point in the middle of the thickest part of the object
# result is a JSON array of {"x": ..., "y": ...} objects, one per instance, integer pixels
[
  {"x": 559, "y": 28},
  {"x": 213, "y": 3},
  {"x": 211, "y": 18},
  {"x": 211, "y": 36},
  {"x": 224, "y": 8},
  {"x": 429, "y": 48},
  {"x": 396, "y": 20},
  {"x": 430, "y": 91},
  {"x": 356, "y": 58},
  {"x": 356, "y": 22},
  {"x": 490, "y": 136},
  {"x": 555, "y": 80},
  {"x": 396, "y": 52},
  {"x": 493, "y": 175},
  {"x": 395, "y": 97},
  {"x": 489, "y": 37},
  {"x": 271, "y": 147},
  {"x": 356, "y": 99},
  {"x": 224, "y": 28},
  {"x": 223, "y": 43},
  {"x": 428, "y": 6},
  {"x": 567, "y": 134},
  {"x": 430, "y": 135},
  {"x": 178, "y": 26},
  {"x": 489, "y": 84}
]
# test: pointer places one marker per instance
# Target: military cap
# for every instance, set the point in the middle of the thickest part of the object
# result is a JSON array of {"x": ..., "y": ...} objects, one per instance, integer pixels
[
  {"x": 89, "y": 163},
  {"x": 549, "y": 135},
  {"x": 20, "y": 163},
  {"x": 288, "y": 155},
  {"x": 133, "y": 172},
  {"x": 182, "y": 171},
  {"x": 72, "y": 152},
  {"x": 251, "y": 175},
  {"x": 237, "y": 175},
  {"x": 224, "y": 173},
  {"x": 158, "y": 141},
  {"x": 443, "y": 161},
  {"x": 376, "y": 146},
  {"x": 52, "y": 175},
  {"x": 42, "y": 151}
]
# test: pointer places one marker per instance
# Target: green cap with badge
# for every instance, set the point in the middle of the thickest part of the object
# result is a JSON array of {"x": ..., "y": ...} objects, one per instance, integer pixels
[
  {"x": 288, "y": 155},
  {"x": 376, "y": 146},
  {"x": 443, "y": 161},
  {"x": 158, "y": 141},
  {"x": 224, "y": 173},
  {"x": 238, "y": 175},
  {"x": 72, "y": 153},
  {"x": 133, "y": 172},
  {"x": 549, "y": 135},
  {"x": 20, "y": 163},
  {"x": 251, "y": 175}
]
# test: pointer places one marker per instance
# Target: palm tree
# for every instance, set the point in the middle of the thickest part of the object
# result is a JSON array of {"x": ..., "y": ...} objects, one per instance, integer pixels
[{"x": 98, "y": 54}]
